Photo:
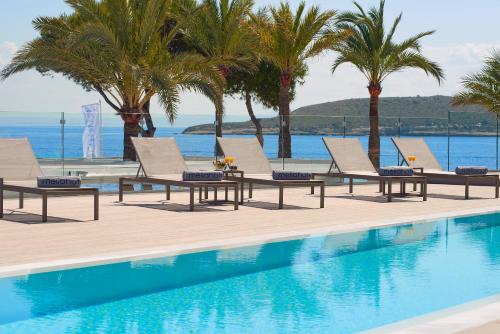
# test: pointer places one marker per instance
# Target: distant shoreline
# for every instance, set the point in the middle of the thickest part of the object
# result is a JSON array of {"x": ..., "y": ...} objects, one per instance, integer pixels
[
  {"x": 274, "y": 131},
  {"x": 351, "y": 134},
  {"x": 414, "y": 116}
]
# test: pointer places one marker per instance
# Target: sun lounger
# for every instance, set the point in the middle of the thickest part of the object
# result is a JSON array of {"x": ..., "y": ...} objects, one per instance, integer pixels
[
  {"x": 251, "y": 159},
  {"x": 426, "y": 164},
  {"x": 19, "y": 171},
  {"x": 162, "y": 163},
  {"x": 352, "y": 162}
]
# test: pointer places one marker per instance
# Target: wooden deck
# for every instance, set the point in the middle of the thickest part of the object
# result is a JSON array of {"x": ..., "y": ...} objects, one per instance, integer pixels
[
  {"x": 146, "y": 221},
  {"x": 490, "y": 328}
]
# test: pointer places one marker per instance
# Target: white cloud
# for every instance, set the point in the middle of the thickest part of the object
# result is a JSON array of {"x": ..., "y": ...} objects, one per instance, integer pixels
[
  {"x": 469, "y": 55},
  {"x": 7, "y": 50}
]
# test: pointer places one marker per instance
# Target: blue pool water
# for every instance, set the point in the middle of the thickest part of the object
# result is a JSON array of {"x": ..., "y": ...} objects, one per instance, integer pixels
[{"x": 332, "y": 284}]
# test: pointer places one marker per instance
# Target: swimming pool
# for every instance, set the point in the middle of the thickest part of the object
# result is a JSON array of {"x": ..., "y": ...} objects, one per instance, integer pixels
[{"x": 341, "y": 283}]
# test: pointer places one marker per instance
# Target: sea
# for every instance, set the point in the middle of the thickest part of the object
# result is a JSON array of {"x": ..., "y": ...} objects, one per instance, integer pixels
[{"x": 450, "y": 151}]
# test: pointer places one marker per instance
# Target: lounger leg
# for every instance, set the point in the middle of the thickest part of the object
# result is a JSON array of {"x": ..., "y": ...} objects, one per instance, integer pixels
[
  {"x": 383, "y": 187},
  {"x": 191, "y": 198},
  {"x": 389, "y": 190},
  {"x": 250, "y": 190},
  {"x": 1, "y": 198},
  {"x": 466, "y": 188},
  {"x": 226, "y": 197},
  {"x": 312, "y": 187},
  {"x": 200, "y": 194},
  {"x": 280, "y": 203},
  {"x": 120, "y": 190},
  {"x": 167, "y": 191},
  {"x": 322, "y": 196},
  {"x": 414, "y": 186},
  {"x": 351, "y": 185},
  {"x": 242, "y": 192},
  {"x": 403, "y": 188},
  {"x": 21, "y": 200},
  {"x": 497, "y": 184},
  {"x": 236, "y": 199},
  {"x": 96, "y": 205},
  {"x": 425, "y": 190},
  {"x": 380, "y": 186},
  {"x": 206, "y": 192},
  {"x": 215, "y": 193},
  {"x": 44, "y": 208}
]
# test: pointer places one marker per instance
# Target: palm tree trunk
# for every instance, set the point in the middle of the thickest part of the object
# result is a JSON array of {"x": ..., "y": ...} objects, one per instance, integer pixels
[
  {"x": 218, "y": 132},
  {"x": 150, "y": 128},
  {"x": 225, "y": 71},
  {"x": 131, "y": 128},
  {"x": 374, "y": 141},
  {"x": 285, "y": 138},
  {"x": 255, "y": 120}
]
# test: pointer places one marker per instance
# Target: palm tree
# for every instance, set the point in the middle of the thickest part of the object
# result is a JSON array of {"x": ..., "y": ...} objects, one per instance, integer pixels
[
  {"x": 219, "y": 32},
  {"x": 371, "y": 49},
  {"x": 117, "y": 48},
  {"x": 482, "y": 88},
  {"x": 287, "y": 40}
]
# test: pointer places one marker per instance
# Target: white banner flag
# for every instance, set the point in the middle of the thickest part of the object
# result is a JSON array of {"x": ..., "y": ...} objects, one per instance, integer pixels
[{"x": 91, "y": 133}]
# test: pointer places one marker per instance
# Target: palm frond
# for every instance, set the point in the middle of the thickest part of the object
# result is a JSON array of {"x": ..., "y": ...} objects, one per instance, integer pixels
[
  {"x": 482, "y": 88},
  {"x": 287, "y": 39},
  {"x": 373, "y": 51},
  {"x": 117, "y": 48}
]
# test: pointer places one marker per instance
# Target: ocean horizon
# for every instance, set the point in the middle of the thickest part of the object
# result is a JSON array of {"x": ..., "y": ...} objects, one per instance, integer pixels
[{"x": 46, "y": 142}]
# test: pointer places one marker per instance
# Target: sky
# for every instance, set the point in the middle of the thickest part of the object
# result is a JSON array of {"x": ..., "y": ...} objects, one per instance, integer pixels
[{"x": 465, "y": 32}]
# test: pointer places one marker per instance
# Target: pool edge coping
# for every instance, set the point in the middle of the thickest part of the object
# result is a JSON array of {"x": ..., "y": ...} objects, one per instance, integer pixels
[{"x": 450, "y": 320}]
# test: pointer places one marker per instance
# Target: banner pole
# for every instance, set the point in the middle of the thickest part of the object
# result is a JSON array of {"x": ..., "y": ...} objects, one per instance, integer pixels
[
  {"x": 62, "y": 121},
  {"x": 100, "y": 129}
]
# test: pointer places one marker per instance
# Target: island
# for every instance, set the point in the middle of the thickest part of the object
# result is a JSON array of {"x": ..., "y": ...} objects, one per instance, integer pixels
[{"x": 418, "y": 115}]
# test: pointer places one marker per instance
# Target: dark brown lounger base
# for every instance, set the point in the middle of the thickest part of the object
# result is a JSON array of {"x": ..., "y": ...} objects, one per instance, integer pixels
[
  {"x": 383, "y": 181},
  {"x": 466, "y": 180},
  {"x": 45, "y": 193},
  {"x": 280, "y": 184},
  {"x": 429, "y": 166},
  {"x": 191, "y": 185}
]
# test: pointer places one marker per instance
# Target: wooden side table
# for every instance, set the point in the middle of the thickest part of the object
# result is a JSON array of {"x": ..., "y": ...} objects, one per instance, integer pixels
[
  {"x": 233, "y": 173},
  {"x": 226, "y": 172},
  {"x": 418, "y": 170}
]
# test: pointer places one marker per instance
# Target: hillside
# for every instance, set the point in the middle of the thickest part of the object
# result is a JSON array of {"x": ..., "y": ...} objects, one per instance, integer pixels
[{"x": 418, "y": 115}]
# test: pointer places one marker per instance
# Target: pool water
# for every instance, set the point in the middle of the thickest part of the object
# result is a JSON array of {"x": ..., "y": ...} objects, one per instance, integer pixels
[{"x": 334, "y": 284}]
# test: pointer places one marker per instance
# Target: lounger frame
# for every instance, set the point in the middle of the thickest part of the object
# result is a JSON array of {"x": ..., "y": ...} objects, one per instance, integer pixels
[
  {"x": 251, "y": 159},
  {"x": 45, "y": 193},
  {"x": 191, "y": 185},
  {"x": 161, "y": 157},
  {"x": 281, "y": 185},
  {"x": 465, "y": 180},
  {"x": 383, "y": 180},
  {"x": 19, "y": 170},
  {"x": 438, "y": 177}
]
